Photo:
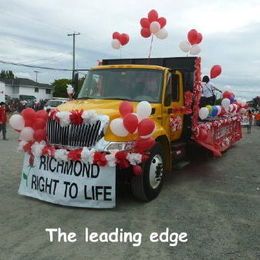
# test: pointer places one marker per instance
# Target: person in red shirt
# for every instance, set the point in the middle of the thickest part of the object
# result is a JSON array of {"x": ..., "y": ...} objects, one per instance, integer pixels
[{"x": 3, "y": 119}]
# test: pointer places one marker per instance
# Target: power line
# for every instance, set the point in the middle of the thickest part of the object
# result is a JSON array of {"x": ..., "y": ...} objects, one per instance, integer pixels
[
  {"x": 32, "y": 66},
  {"x": 55, "y": 58}
]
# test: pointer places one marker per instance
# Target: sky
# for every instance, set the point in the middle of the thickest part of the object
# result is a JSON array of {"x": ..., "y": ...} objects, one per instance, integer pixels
[{"x": 35, "y": 33}]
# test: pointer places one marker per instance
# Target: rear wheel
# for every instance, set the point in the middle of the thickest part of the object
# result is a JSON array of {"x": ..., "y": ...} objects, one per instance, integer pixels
[{"x": 147, "y": 186}]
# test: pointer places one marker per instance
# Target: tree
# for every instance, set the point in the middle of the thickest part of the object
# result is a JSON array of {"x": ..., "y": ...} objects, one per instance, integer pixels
[
  {"x": 60, "y": 87},
  {"x": 6, "y": 74},
  {"x": 256, "y": 102}
]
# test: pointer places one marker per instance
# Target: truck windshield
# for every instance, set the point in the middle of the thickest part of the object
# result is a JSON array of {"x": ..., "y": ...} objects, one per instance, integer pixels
[{"x": 125, "y": 84}]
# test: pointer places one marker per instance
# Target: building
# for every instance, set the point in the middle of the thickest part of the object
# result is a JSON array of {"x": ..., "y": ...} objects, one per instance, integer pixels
[{"x": 22, "y": 88}]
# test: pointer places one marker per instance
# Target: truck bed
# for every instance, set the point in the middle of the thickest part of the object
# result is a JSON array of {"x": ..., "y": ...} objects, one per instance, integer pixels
[{"x": 222, "y": 133}]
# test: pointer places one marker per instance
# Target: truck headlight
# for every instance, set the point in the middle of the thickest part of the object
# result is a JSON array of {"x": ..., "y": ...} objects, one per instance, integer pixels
[{"x": 119, "y": 146}]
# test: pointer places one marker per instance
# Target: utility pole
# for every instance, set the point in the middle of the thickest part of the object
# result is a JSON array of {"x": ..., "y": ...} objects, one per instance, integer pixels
[
  {"x": 73, "y": 62},
  {"x": 36, "y": 75}
]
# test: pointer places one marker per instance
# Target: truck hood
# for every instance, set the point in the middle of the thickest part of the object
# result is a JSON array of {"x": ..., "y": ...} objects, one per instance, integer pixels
[
  {"x": 101, "y": 106},
  {"x": 109, "y": 108}
]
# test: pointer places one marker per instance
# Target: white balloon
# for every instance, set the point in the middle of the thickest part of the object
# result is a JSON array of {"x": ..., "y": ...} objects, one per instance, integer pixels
[
  {"x": 70, "y": 89},
  {"x": 27, "y": 134},
  {"x": 228, "y": 88},
  {"x": 195, "y": 49},
  {"x": 185, "y": 46},
  {"x": 116, "y": 44},
  {"x": 225, "y": 103},
  {"x": 17, "y": 122},
  {"x": 143, "y": 109},
  {"x": 242, "y": 110},
  {"x": 117, "y": 127},
  {"x": 162, "y": 34},
  {"x": 243, "y": 102},
  {"x": 235, "y": 106},
  {"x": 155, "y": 27},
  {"x": 203, "y": 113},
  {"x": 230, "y": 108}
]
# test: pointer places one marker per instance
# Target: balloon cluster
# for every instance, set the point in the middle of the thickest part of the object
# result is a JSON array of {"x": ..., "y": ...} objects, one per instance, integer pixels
[
  {"x": 192, "y": 44},
  {"x": 153, "y": 25},
  {"x": 135, "y": 123},
  {"x": 30, "y": 124},
  {"x": 209, "y": 111},
  {"x": 119, "y": 40},
  {"x": 229, "y": 105}
]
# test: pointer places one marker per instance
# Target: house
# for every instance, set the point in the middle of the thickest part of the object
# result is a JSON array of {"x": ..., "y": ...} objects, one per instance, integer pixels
[{"x": 22, "y": 87}]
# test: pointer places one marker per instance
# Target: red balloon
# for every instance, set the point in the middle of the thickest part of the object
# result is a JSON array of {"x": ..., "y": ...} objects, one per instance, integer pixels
[
  {"x": 152, "y": 16},
  {"x": 227, "y": 94},
  {"x": 137, "y": 170},
  {"x": 125, "y": 108},
  {"x": 116, "y": 35},
  {"x": 145, "y": 23},
  {"x": 124, "y": 38},
  {"x": 238, "y": 107},
  {"x": 28, "y": 114},
  {"x": 130, "y": 122},
  {"x": 145, "y": 32},
  {"x": 162, "y": 21},
  {"x": 39, "y": 123},
  {"x": 203, "y": 134},
  {"x": 28, "y": 122},
  {"x": 146, "y": 127},
  {"x": 39, "y": 135},
  {"x": 144, "y": 144},
  {"x": 192, "y": 36},
  {"x": 215, "y": 71},
  {"x": 223, "y": 111},
  {"x": 42, "y": 114},
  {"x": 199, "y": 38},
  {"x": 233, "y": 108}
]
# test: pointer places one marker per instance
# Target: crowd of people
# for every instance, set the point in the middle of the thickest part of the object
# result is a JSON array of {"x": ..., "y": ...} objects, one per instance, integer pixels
[{"x": 17, "y": 105}]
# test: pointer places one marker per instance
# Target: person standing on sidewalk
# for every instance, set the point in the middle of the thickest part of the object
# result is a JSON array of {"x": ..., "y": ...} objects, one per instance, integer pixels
[{"x": 3, "y": 120}]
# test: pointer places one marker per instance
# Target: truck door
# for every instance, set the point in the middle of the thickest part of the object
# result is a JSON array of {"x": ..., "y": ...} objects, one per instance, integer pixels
[{"x": 173, "y": 100}]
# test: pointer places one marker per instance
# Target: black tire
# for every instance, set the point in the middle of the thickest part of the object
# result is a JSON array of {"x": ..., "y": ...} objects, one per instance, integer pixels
[{"x": 141, "y": 186}]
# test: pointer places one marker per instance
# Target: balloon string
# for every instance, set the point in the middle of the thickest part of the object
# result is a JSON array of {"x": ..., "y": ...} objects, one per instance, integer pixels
[{"x": 150, "y": 50}]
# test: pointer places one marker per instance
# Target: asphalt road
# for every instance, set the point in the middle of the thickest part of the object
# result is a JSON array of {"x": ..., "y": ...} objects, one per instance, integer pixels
[{"x": 216, "y": 201}]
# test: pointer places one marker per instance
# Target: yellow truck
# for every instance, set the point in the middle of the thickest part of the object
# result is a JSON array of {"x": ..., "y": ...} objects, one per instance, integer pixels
[
  {"x": 81, "y": 160},
  {"x": 172, "y": 86}
]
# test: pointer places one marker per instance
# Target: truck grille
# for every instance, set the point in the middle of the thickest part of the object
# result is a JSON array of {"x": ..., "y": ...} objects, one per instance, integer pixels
[{"x": 85, "y": 135}]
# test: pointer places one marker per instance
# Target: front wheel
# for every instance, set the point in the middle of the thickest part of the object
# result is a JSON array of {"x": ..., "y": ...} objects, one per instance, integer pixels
[{"x": 147, "y": 186}]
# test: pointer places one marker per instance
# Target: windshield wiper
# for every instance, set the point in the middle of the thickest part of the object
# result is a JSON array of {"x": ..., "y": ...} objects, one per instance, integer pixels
[
  {"x": 85, "y": 98},
  {"x": 118, "y": 98}
]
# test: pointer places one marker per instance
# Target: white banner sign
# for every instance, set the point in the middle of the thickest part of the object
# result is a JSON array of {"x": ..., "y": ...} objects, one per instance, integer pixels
[{"x": 71, "y": 183}]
